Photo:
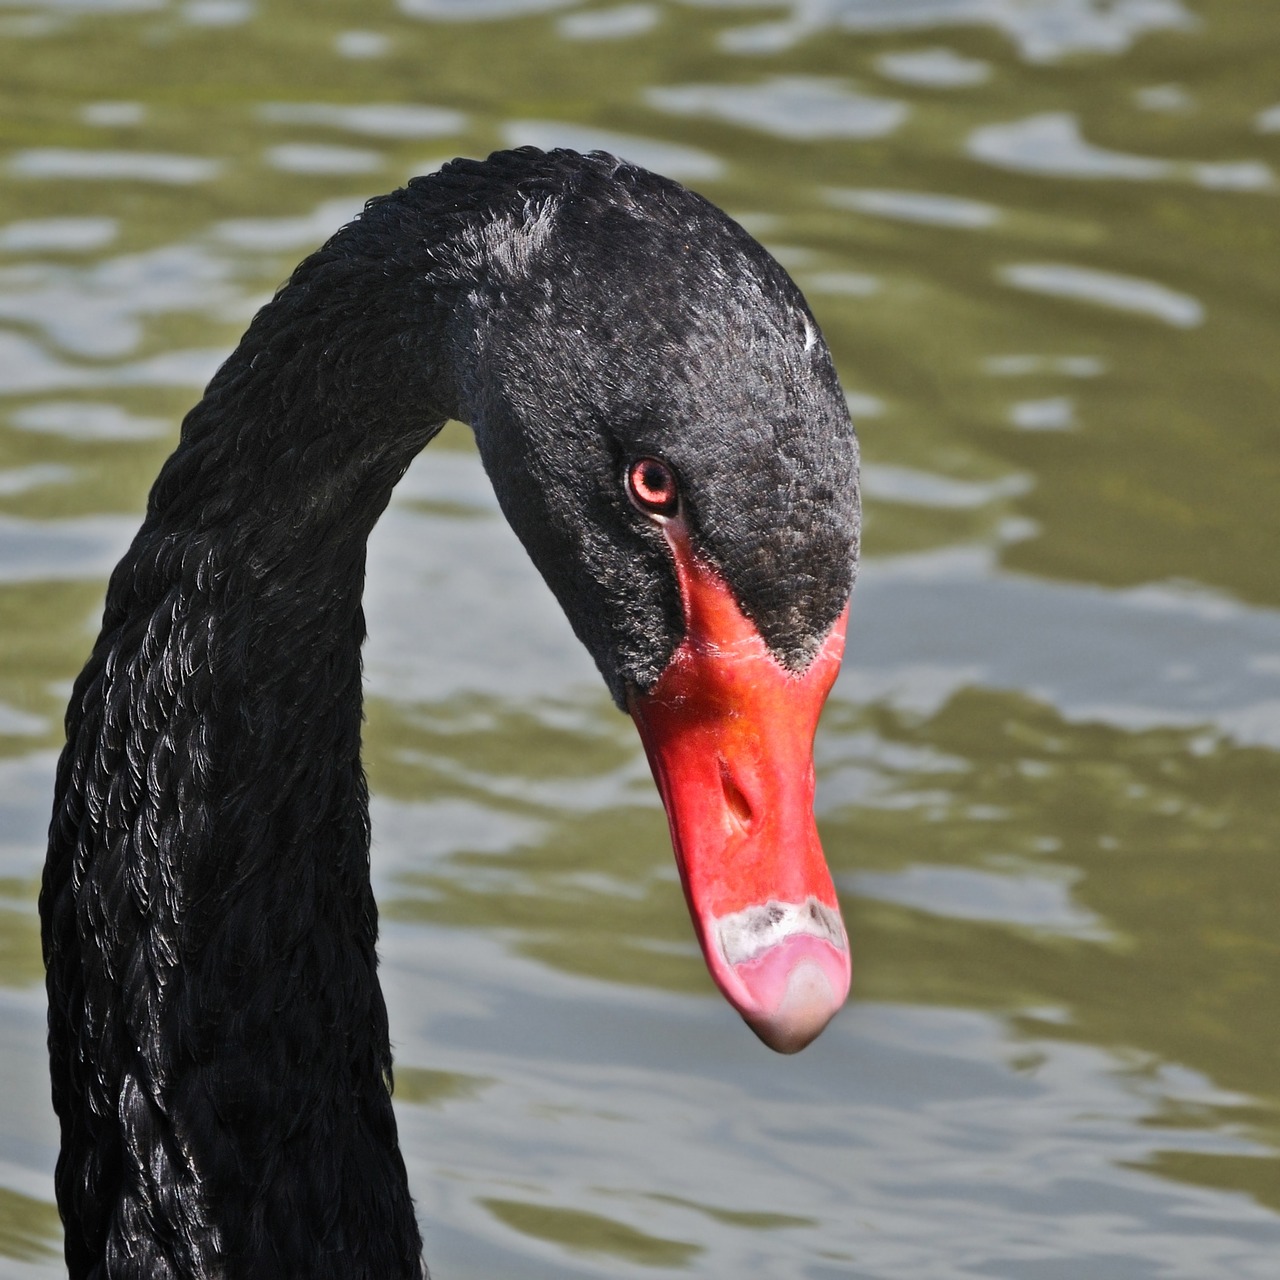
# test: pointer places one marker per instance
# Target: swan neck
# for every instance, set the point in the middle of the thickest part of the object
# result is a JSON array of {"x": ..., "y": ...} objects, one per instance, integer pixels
[{"x": 218, "y": 1036}]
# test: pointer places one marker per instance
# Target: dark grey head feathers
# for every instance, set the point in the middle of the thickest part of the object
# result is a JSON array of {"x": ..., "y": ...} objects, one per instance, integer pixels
[
  {"x": 578, "y": 312},
  {"x": 604, "y": 313}
]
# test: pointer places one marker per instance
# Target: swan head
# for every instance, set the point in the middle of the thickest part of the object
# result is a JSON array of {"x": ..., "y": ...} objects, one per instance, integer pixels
[{"x": 664, "y": 428}]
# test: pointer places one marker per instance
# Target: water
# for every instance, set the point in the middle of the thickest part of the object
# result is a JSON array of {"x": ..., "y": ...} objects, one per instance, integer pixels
[{"x": 1041, "y": 237}]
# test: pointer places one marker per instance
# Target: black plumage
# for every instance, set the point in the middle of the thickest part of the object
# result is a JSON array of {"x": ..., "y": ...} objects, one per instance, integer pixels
[{"x": 218, "y": 1040}]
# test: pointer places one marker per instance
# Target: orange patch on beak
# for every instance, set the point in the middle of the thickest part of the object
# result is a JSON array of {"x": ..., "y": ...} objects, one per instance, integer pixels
[{"x": 729, "y": 735}]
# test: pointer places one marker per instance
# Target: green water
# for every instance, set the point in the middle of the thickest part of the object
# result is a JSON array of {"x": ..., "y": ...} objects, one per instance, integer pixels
[{"x": 1041, "y": 238}]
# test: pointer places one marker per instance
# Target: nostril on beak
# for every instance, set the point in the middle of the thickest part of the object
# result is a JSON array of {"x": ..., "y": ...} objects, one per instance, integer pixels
[{"x": 738, "y": 803}]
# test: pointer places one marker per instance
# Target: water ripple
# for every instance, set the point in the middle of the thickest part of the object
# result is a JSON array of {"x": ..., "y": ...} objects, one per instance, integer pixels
[
  {"x": 64, "y": 235},
  {"x": 1044, "y": 30},
  {"x": 1137, "y": 658},
  {"x": 271, "y": 235},
  {"x": 1034, "y": 901},
  {"x": 477, "y": 10},
  {"x": 802, "y": 108},
  {"x": 917, "y": 206},
  {"x": 362, "y": 44},
  {"x": 887, "y": 483},
  {"x": 26, "y": 368},
  {"x": 86, "y": 420},
  {"x": 62, "y": 550},
  {"x": 1052, "y": 144},
  {"x": 217, "y": 13},
  {"x": 113, "y": 166},
  {"x": 374, "y": 119},
  {"x": 1106, "y": 289},
  {"x": 1053, "y": 413},
  {"x": 98, "y": 310},
  {"x": 610, "y": 24},
  {"x": 934, "y": 68},
  {"x": 113, "y": 115},
  {"x": 315, "y": 158},
  {"x": 24, "y": 479}
]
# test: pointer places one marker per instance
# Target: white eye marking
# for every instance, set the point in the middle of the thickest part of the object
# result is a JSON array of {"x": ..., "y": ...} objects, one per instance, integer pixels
[{"x": 810, "y": 333}]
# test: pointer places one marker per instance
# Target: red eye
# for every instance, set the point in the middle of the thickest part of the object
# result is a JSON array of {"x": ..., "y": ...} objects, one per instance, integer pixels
[{"x": 653, "y": 487}]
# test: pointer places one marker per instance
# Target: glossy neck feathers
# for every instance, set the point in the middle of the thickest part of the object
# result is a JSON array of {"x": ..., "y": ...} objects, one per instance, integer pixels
[{"x": 219, "y": 1040}]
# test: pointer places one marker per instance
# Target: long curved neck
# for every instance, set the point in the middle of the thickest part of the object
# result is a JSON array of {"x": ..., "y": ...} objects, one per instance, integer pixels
[{"x": 219, "y": 1042}]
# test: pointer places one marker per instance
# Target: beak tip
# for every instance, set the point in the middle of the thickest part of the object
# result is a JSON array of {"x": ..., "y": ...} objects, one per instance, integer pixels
[
  {"x": 804, "y": 1011},
  {"x": 796, "y": 991}
]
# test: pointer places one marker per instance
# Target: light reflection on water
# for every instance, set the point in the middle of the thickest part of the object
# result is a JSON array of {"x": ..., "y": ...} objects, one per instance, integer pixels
[
  {"x": 1052, "y": 145},
  {"x": 1039, "y": 237},
  {"x": 1043, "y": 30}
]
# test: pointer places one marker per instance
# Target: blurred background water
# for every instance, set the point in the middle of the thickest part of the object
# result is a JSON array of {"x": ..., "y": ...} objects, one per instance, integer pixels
[{"x": 1041, "y": 236}]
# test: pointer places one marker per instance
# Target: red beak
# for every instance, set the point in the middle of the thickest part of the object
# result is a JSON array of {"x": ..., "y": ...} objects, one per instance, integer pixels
[{"x": 729, "y": 736}]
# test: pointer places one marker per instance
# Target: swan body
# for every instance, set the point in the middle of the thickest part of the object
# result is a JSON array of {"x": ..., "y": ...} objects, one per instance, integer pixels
[{"x": 665, "y": 432}]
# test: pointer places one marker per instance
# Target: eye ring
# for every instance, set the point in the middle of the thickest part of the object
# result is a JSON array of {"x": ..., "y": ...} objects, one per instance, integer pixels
[{"x": 652, "y": 486}]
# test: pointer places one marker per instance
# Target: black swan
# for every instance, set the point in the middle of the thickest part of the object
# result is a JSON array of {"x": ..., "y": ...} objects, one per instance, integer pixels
[{"x": 665, "y": 432}]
